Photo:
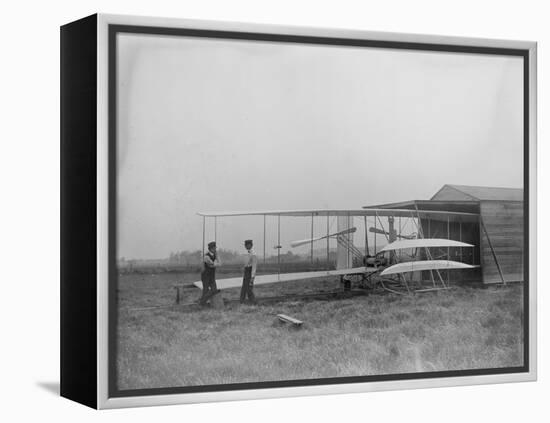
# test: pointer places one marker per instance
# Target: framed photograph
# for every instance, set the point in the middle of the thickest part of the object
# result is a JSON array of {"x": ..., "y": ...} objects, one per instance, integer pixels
[{"x": 253, "y": 211}]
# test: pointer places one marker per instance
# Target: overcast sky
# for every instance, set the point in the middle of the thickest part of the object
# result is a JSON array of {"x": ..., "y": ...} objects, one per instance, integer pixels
[{"x": 206, "y": 125}]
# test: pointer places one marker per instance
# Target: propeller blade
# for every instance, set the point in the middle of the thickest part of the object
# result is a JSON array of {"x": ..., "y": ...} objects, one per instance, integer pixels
[
  {"x": 310, "y": 240},
  {"x": 382, "y": 232},
  {"x": 378, "y": 231}
]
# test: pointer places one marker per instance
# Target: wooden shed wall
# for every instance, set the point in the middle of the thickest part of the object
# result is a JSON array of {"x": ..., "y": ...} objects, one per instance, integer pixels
[{"x": 504, "y": 223}]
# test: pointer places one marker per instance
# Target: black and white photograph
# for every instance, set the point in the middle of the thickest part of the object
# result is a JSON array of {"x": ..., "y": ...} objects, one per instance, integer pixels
[
  {"x": 275, "y": 211},
  {"x": 296, "y": 211}
]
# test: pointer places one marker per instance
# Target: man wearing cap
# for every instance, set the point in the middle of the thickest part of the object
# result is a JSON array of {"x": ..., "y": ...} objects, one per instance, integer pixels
[
  {"x": 250, "y": 264},
  {"x": 208, "y": 274}
]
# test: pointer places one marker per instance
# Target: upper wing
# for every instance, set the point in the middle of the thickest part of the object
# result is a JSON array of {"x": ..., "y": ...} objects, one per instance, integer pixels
[
  {"x": 435, "y": 214},
  {"x": 310, "y": 240}
]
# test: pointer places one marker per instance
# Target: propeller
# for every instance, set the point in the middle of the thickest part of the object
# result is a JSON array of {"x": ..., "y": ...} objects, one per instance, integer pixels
[
  {"x": 382, "y": 232},
  {"x": 310, "y": 240}
]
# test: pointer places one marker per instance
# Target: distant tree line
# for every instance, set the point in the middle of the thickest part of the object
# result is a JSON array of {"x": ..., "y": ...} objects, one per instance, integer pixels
[
  {"x": 188, "y": 258},
  {"x": 191, "y": 261}
]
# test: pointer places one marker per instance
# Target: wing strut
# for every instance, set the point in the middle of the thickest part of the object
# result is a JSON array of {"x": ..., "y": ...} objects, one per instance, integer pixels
[
  {"x": 460, "y": 238},
  {"x": 366, "y": 238},
  {"x": 312, "y": 238},
  {"x": 328, "y": 240},
  {"x": 203, "y": 234},
  {"x": 428, "y": 253},
  {"x": 448, "y": 248},
  {"x": 345, "y": 242},
  {"x": 492, "y": 250},
  {"x": 383, "y": 229},
  {"x": 278, "y": 245},
  {"x": 375, "y": 236}
]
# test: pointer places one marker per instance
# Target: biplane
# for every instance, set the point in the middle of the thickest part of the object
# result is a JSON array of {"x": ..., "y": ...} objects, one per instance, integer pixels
[{"x": 393, "y": 265}]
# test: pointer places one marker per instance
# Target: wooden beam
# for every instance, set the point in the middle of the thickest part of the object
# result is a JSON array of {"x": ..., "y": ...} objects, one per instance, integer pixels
[
  {"x": 382, "y": 227},
  {"x": 278, "y": 244},
  {"x": 428, "y": 253},
  {"x": 375, "y": 236},
  {"x": 312, "y": 238},
  {"x": 178, "y": 294},
  {"x": 448, "y": 248},
  {"x": 399, "y": 237},
  {"x": 350, "y": 244},
  {"x": 366, "y": 238},
  {"x": 460, "y": 239},
  {"x": 429, "y": 236},
  {"x": 288, "y": 319},
  {"x": 431, "y": 289},
  {"x": 492, "y": 249},
  {"x": 328, "y": 241},
  {"x": 203, "y": 235}
]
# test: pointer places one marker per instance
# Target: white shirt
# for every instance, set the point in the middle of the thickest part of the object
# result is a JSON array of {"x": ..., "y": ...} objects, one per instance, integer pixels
[{"x": 251, "y": 261}]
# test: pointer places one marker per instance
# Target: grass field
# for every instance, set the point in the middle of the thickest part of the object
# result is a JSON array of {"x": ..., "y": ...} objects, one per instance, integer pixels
[{"x": 462, "y": 328}]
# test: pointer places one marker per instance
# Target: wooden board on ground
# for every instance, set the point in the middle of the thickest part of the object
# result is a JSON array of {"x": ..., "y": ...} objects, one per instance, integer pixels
[{"x": 288, "y": 319}]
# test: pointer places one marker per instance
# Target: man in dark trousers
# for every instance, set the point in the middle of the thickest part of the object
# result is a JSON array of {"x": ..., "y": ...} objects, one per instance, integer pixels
[
  {"x": 208, "y": 275},
  {"x": 250, "y": 264}
]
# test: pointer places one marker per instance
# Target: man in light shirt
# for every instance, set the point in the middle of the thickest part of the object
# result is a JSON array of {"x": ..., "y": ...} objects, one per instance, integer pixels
[
  {"x": 250, "y": 265},
  {"x": 208, "y": 275}
]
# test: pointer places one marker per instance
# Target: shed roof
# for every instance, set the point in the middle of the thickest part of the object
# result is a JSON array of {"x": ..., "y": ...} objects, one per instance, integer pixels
[{"x": 484, "y": 193}]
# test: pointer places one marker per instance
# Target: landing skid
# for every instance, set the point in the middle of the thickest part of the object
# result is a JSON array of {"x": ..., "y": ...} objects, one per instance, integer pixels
[{"x": 400, "y": 286}]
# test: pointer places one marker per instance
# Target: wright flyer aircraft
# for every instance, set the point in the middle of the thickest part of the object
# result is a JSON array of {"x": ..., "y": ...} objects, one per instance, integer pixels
[{"x": 410, "y": 260}]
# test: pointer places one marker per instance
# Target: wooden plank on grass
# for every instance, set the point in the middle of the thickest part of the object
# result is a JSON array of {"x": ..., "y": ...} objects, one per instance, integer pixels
[{"x": 288, "y": 319}]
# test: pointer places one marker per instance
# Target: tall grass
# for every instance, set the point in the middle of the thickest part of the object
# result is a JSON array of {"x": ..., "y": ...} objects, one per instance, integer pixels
[{"x": 463, "y": 328}]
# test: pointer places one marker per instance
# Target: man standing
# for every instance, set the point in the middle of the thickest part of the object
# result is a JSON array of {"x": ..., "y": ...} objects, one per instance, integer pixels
[
  {"x": 251, "y": 262},
  {"x": 208, "y": 274}
]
